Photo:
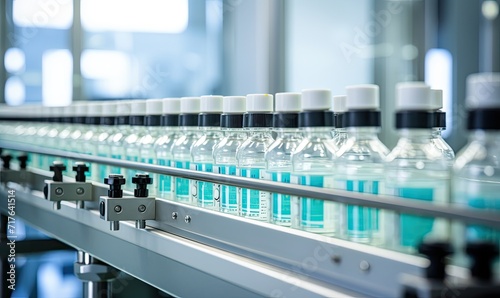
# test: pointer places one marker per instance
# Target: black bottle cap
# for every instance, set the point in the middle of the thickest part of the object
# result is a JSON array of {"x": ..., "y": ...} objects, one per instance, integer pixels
[
  {"x": 415, "y": 119},
  {"x": 339, "y": 120},
  {"x": 122, "y": 120},
  {"x": 93, "y": 120},
  {"x": 107, "y": 120},
  {"x": 231, "y": 120},
  {"x": 316, "y": 119},
  {"x": 286, "y": 120},
  {"x": 257, "y": 120},
  {"x": 188, "y": 120},
  {"x": 170, "y": 120},
  {"x": 208, "y": 120},
  {"x": 136, "y": 120},
  {"x": 361, "y": 118},
  {"x": 440, "y": 119},
  {"x": 487, "y": 119},
  {"x": 152, "y": 120},
  {"x": 79, "y": 120}
]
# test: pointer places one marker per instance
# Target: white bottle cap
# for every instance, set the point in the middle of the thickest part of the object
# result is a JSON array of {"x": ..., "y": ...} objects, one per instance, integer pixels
[
  {"x": 171, "y": 106},
  {"x": 362, "y": 97},
  {"x": 109, "y": 108},
  {"x": 211, "y": 104},
  {"x": 154, "y": 106},
  {"x": 339, "y": 104},
  {"x": 316, "y": 99},
  {"x": 483, "y": 90},
  {"x": 138, "y": 107},
  {"x": 437, "y": 99},
  {"x": 123, "y": 108},
  {"x": 190, "y": 105},
  {"x": 413, "y": 96},
  {"x": 288, "y": 102},
  {"x": 259, "y": 103},
  {"x": 234, "y": 104}
]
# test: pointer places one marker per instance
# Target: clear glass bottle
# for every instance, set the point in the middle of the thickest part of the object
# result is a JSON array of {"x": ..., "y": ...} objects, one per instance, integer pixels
[
  {"x": 88, "y": 140},
  {"x": 257, "y": 121},
  {"x": 163, "y": 146},
  {"x": 339, "y": 108},
  {"x": 415, "y": 169},
  {"x": 279, "y": 154},
  {"x": 359, "y": 165},
  {"x": 181, "y": 150},
  {"x": 116, "y": 140},
  {"x": 131, "y": 146},
  {"x": 476, "y": 172},
  {"x": 202, "y": 151},
  {"x": 107, "y": 125},
  {"x": 313, "y": 163},
  {"x": 152, "y": 122},
  {"x": 52, "y": 140},
  {"x": 440, "y": 125},
  {"x": 225, "y": 151}
]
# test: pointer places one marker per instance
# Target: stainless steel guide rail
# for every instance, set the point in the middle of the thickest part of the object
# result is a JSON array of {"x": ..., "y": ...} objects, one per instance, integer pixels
[{"x": 483, "y": 217}]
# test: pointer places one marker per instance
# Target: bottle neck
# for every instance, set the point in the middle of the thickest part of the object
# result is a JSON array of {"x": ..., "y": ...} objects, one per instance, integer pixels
[
  {"x": 363, "y": 132},
  {"x": 287, "y": 132},
  {"x": 318, "y": 132},
  {"x": 485, "y": 135},
  {"x": 415, "y": 133}
]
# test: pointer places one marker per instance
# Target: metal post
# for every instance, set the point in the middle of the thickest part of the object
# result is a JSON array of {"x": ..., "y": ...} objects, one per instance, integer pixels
[{"x": 95, "y": 275}]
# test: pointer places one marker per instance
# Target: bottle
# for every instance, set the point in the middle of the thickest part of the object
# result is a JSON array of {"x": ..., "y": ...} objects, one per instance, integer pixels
[
  {"x": 79, "y": 128},
  {"x": 440, "y": 125},
  {"x": 415, "y": 169},
  {"x": 99, "y": 140},
  {"x": 171, "y": 108},
  {"x": 131, "y": 150},
  {"x": 202, "y": 151},
  {"x": 65, "y": 132},
  {"x": 116, "y": 139},
  {"x": 257, "y": 121},
  {"x": 476, "y": 172},
  {"x": 339, "y": 108},
  {"x": 359, "y": 165},
  {"x": 152, "y": 123},
  {"x": 279, "y": 155},
  {"x": 89, "y": 138},
  {"x": 181, "y": 150},
  {"x": 233, "y": 108},
  {"x": 313, "y": 162},
  {"x": 52, "y": 140}
]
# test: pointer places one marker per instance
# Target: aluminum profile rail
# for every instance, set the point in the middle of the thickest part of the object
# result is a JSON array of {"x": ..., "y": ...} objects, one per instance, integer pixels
[{"x": 483, "y": 217}]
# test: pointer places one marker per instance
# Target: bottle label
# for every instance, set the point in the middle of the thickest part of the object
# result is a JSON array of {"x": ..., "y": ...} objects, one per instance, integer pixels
[
  {"x": 202, "y": 192},
  {"x": 478, "y": 232},
  {"x": 164, "y": 181},
  {"x": 254, "y": 203},
  {"x": 182, "y": 184},
  {"x": 115, "y": 170},
  {"x": 362, "y": 221},
  {"x": 281, "y": 203},
  {"x": 226, "y": 195},
  {"x": 316, "y": 214},
  {"x": 413, "y": 228}
]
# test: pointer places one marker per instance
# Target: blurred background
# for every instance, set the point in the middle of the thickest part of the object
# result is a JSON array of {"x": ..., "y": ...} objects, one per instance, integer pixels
[{"x": 59, "y": 51}]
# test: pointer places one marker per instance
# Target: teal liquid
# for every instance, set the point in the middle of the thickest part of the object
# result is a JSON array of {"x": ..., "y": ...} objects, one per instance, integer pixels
[
  {"x": 228, "y": 194},
  {"x": 362, "y": 222},
  {"x": 414, "y": 228},
  {"x": 102, "y": 169},
  {"x": 130, "y": 172},
  {"x": 254, "y": 203},
  {"x": 182, "y": 184},
  {"x": 203, "y": 192},
  {"x": 314, "y": 215},
  {"x": 281, "y": 213},
  {"x": 164, "y": 181},
  {"x": 115, "y": 170},
  {"x": 478, "y": 232}
]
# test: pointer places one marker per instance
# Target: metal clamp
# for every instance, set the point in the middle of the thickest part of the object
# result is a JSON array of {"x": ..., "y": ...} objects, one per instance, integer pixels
[{"x": 115, "y": 208}]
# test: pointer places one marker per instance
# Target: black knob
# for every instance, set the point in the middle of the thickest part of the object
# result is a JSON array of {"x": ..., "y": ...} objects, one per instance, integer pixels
[
  {"x": 141, "y": 182},
  {"x": 80, "y": 168},
  {"x": 436, "y": 253},
  {"x": 57, "y": 167},
  {"x": 6, "y": 161},
  {"x": 115, "y": 183},
  {"x": 23, "y": 161},
  {"x": 482, "y": 255}
]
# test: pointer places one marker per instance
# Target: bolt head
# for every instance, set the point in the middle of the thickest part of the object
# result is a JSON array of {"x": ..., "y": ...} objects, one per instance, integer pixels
[
  {"x": 141, "y": 208},
  {"x": 174, "y": 215},
  {"x": 59, "y": 191},
  {"x": 187, "y": 219},
  {"x": 118, "y": 208},
  {"x": 114, "y": 180},
  {"x": 142, "y": 179},
  {"x": 364, "y": 265},
  {"x": 80, "y": 191}
]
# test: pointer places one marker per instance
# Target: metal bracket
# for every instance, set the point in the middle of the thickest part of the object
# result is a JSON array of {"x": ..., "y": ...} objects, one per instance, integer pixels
[
  {"x": 21, "y": 177},
  {"x": 115, "y": 210},
  {"x": 68, "y": 191}
]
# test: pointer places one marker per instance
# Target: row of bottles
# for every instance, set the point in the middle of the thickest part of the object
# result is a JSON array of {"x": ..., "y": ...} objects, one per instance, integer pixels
[{"x": 308, "y": 138}]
